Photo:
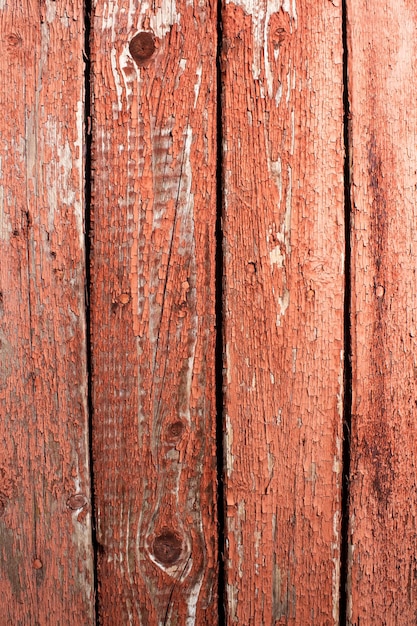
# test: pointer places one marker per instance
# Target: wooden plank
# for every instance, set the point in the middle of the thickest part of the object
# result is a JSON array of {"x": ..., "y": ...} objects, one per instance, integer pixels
[
  {"x": 46, "y": 566},
  {"x": 383, "y": 74},
  {"x": 153, "y": 297},
  {"x": 283, "y": 256}
]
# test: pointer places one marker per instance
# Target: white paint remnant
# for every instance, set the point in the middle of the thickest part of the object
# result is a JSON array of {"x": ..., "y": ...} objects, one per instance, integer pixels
[
  {"x": 276, "y": 257},
  {"x": 162, "y": 20},
  {"x": 278, "y": 95},
  {"x": 288, "y": 96},
  {"x": 229, "y": 446},
  {"x": 193, "y": 600},
  {"x": 272, "y": 7},
  {"x": 275, "y": 168},
  {"x": 67, "y": 193},
  {"x": 5, "y": 225},
  {"x": 279, "y": 253},
  {"x": 287, "y": 217},
  {"x": 185, "y": 210},
  {"x": 261, "y": 13},
  {"x": 283, "y": 303},
  {"x": 78, "y": 207},
  {"x": 31, "y": 151},
  {"x": 108, "y": 20},
  {"x": 341, "y": 385},
  {"x": 159, "y": 21},
  {"x": 232, "y": 595},
  {"x": 336, "y": 568},
  {"x": 197, "y": 85},
  {"x": 50, "y": 11},
  {"x": 128, "y": 78},
  {"x": 240, "y": 520},
  {"x": 181, "y": 69},
  {"x": 292, "y": 132},
  {"x": 294, "y": 360},
  {"x": 116, "y": 78},
  {"x": 195, "y": 589},
  {"x": 228, "y": 365}
]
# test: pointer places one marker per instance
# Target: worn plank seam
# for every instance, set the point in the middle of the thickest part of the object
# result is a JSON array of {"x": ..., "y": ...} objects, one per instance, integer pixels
[
  {"x": 220, "y": 421},
  {"x": 347, "y": 402},
  {"x": 87, "y": 247}
]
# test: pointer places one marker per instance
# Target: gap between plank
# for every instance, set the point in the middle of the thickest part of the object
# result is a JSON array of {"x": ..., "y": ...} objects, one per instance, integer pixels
[
  {"x": 347, "y": 404},
  {"x": 220, "y": 328},
  {"x": 87, "y": 245}
]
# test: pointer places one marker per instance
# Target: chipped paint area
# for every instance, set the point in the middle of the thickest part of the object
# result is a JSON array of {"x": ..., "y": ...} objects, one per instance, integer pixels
[
  {"x": 336, "y": 567},
  {"x": 283, "y": 304},
  {"x": 228, "y": 437},
  {"x": 276, "y": 257},
  {"x": 261, "y": 13},
  {"x": 289, "y": 425},
  {"x": 193, "y": 596},
  {"x": 282, "y": 237},
  {"x": 232, "y": 594},
  {"x": 5, "y": 224},
  {"x": 197, "y": 85},
  {"x": 158, "y": 20}
]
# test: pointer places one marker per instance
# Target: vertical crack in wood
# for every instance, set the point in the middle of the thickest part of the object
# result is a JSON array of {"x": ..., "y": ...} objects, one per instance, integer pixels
[
  {"x": 347, "y": 406},
  {"x": 220, "y": 330},
  {"x": 87, "y": 247}
]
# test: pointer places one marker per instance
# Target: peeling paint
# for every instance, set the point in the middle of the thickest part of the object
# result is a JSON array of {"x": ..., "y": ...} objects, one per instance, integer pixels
[
  {"x": 261, "y": 13},
  {"x": 283, "y": 303},
  {"x": 5, "y": 224},
  {"x": 229, "y": 446},
  {"x": 197, "y": 85},
  {"x": 336, "y": 567},
  {"x": 276, "y": 257}
]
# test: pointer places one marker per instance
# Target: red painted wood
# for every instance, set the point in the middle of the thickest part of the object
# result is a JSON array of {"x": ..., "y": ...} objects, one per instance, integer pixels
[
  {"x": 153, "y": 299},
  {"x": 383, "y": 74},
  {"x": 46, "y": 568},
  {"x": 283, "y": 255}
]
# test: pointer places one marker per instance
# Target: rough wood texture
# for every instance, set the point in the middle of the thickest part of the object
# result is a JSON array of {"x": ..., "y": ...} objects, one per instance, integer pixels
[
  {"x": 154, "y": 208},
  {"x": 283, "y": 255},
  {"x": 45, "y": 531},
  {"x": 383, "y": 76}
]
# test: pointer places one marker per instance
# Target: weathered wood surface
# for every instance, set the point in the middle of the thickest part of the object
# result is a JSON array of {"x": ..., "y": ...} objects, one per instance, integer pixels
[
  {"x": 283, "y": 256},
  {"x": 382, "y": 87},
  {"x": 153, "y": 335},
  {"x": 46, "y": 569}
]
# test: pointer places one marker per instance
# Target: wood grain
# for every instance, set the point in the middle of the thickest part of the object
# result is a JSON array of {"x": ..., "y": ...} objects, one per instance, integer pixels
[
  {"x": 46, "y": 568},
  {"x": 383, "y": 538},
  {"x": 283, "y": 256},
  {"x": 153, "y": 299}
]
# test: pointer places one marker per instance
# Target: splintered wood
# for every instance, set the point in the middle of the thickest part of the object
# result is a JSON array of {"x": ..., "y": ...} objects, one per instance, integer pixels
[
  {"x": 283, "y": 308},
  {"x": 153, "y": 311},
  {"x": 46, "y": 565}
]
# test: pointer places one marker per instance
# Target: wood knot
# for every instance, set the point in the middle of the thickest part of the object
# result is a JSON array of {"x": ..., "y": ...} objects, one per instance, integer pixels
[
  {"x": 124, "y": 298},
  {"x": 3, "y": 504},
  {"x": 175, "y": 430},
  {"x": 142, "y": 47},
  {"x": 77, "y": 501},
  {"x": 14, "y": 41},
  {"x": 278, "y": 37},
  {"x": 167, "y": 547}
]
